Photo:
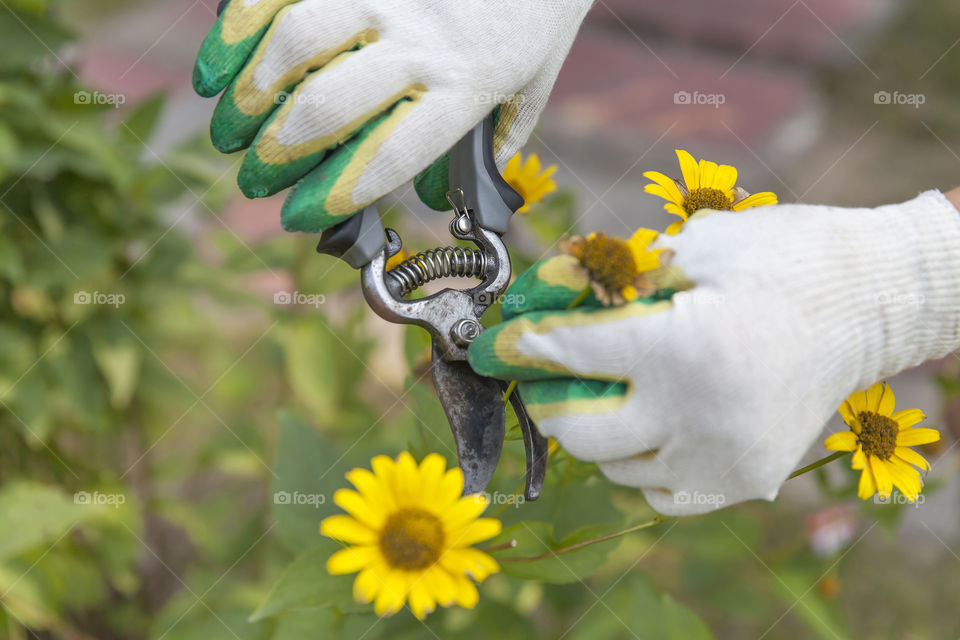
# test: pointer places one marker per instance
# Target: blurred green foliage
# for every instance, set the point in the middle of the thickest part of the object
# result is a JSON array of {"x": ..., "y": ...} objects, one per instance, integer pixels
[{"x": 154, "y": 412}]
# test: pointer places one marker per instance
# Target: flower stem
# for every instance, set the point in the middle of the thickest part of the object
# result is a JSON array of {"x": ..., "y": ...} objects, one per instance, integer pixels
[
  {"x": 576, "y": 302},
  {"x": 587, "y": 543},
  {"x": 819, "y": 463}
]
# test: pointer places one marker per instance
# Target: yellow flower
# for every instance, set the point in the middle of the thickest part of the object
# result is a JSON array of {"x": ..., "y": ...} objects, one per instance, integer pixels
[
  {"x": 528, "y": 180},
  {"x": 396, "y": 259},
  {"x": 615, "y": 266},
  {"x": 411, "y": 532},
  {"x": 706, "y": 185},
  {"x": 880, "y": 440}
]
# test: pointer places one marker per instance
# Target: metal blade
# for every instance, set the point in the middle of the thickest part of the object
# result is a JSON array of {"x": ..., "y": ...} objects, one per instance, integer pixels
[
  {"x": 474, "y": 407},
  {"x": 535, "y": 446}
]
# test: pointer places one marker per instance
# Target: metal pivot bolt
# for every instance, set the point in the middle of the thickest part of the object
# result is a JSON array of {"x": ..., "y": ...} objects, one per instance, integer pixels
[{"x": 465, "y": 331}]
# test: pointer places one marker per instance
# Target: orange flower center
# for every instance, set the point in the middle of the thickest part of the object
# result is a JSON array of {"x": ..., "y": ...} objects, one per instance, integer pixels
[
  {"x": 878, "y": 434},
  {"x": 609, "y": 261},
  {"x": 412, "y": 539},
  {"x": 706, "y": 199}
]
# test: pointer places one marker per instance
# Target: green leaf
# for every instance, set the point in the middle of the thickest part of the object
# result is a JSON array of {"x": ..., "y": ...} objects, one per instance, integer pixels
[
  {"x": 306, "y": 583},
  {"x": 535, "y": 539},
  {"x": 120, "y": 364},
  {"x": 33, "y": 514},
  {"x": 796, "y": 590},
  {"x": 308, "y": 471},
  {"x": 140, "y": 123}
]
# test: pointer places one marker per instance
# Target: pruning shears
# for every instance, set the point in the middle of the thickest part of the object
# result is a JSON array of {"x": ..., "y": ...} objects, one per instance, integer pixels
[{"x": 483, "y": 204}]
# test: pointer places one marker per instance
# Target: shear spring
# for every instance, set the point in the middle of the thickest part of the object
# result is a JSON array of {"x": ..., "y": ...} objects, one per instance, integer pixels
[{"x": 440, "y": 262}]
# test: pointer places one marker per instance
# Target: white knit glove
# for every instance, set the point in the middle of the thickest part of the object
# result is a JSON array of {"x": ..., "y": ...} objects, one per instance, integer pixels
[
  {"x": 726, "y": 386},
  {"x": 361, "y": 95}
]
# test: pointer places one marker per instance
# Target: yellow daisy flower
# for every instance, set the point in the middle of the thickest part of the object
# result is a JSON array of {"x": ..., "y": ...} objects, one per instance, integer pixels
[
  {"x": 528, "y": 180},
  {"x": 615, "y": 266},
  {"x": 396, "y": 259},
  {"x": 706, "y": 185},
  {"x": 880, "y": 440},
  {"x": 411, "y": 531}
]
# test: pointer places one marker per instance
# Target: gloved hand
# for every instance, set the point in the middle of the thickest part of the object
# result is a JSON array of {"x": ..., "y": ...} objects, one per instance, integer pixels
[
  {"x": 712, "y": 397},
  {"x": 349, "y": 99}
]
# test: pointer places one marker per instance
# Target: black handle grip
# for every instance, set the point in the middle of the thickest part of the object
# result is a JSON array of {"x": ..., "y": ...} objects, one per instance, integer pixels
[{"x": 356, "y": 240}]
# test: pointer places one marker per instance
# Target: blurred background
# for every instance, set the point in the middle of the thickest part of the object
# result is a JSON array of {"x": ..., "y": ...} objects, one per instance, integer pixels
[{"x": 157, "y": 396}]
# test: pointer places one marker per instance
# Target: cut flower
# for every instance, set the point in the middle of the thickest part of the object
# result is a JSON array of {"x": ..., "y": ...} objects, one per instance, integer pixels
[
  {"x": 411, "y": 531},
  {"x": 880, "y": 441},
  {"x": 705, "y": 185},
  {"x": 614, "y": 266},
  {"x": 528, "y": 180}
]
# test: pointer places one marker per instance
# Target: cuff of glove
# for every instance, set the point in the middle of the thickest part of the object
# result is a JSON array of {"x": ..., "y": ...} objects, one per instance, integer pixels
[{"x": 901, "y": 295}]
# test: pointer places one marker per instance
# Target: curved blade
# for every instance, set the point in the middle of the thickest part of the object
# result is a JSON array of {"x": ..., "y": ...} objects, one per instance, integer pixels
[
  {"x": 474, "y": 407},
  {"x": 536, "y": 447}
]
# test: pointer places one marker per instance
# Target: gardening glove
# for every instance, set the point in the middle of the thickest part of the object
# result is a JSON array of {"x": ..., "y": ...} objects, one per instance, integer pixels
[
  {"x": 349, "y": 99},
  {"x": 712, "y": 397}
]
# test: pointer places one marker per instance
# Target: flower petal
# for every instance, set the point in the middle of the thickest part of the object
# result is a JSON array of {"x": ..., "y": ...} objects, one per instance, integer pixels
[
  {"x": 911, "y": 456},
  {"x": 371, "y": 514},
  {"x": 677, "y": 211},
  {"x": 672, "y": 197},
  {"x": 348, "y": 529},
  {"x": 473, "y": 562},
  {"x": 450, "y": 488},
  {"x": 874, "y": 394},
  {"x": 480, "y": 529},
  {"x": 916, "y": 436},
  {"x": 667, "y": 184},
  {"x": 908, "y": 417},
  {"x": 674, "y": 228},
  {"x": 756, "y": 200},
  {"x": 690, "y": 170},
  {"x": 849, "y": 416},
  {"x": 867, "y": 486},
  {"x": 406, "y": 478},
  {"x": 370, "y": 486},
  {"x": 708, "y": 170},
  {"x": 881, "y": 475},
  {"x": 859, "y": 460},
  {"x": 352, "y": 559},
  {"x": 887, "y": 401},
  {"x": 421, "y": 602},
  {"x": 842, "y": 441},
  {"x": 906, "y": 478},
  {"x": 366, "y": 586},
  {"x": 463, "y": 512},
  {"x": 857, "y": 402},
  {"x": 467, "y": 595},
  {"x": 726, "y": 178},
  {"x": 393, "y": 593},
  {"x": 441, "y": 585}
]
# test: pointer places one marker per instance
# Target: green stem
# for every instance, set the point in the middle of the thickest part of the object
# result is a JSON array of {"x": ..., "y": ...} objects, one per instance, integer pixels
[
  {"x": 586, "y": 543},
  {"x": 819, "y": 463},
  {"x": 576, "y": 302}
]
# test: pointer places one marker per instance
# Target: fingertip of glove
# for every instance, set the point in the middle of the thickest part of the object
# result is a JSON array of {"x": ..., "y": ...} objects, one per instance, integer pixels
[{"x": 209, "y": 80}]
